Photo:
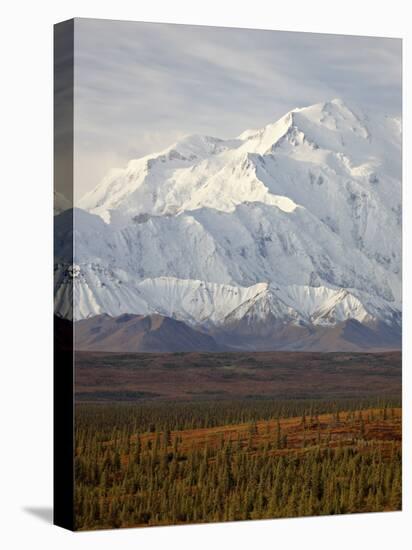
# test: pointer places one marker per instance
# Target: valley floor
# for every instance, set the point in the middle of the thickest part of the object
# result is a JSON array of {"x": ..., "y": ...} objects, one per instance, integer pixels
[
  {"x": 204, "y": 437},
  {"x": 270, "y": 375}
]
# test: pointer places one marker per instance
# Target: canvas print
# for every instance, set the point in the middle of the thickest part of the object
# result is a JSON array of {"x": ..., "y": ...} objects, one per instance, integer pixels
[{"x": 228, "y": 300}]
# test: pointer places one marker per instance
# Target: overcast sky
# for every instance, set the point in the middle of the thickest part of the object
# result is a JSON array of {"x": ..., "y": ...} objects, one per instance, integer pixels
[{"x": 141, "y": 86}]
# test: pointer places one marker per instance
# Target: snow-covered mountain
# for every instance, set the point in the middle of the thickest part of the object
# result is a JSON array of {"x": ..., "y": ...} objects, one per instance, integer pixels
[{"x": 298, "y": 222}]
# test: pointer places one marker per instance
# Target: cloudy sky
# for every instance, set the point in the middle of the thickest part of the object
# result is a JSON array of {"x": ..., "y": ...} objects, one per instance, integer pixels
[{"x": 141, "y": 86}]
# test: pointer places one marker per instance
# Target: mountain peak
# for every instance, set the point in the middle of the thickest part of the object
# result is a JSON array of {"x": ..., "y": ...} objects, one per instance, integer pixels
[
  {"x": 204, "y": 171},
  {"x": 297, "y": 222},
  {"x": 332, "y": 117}
]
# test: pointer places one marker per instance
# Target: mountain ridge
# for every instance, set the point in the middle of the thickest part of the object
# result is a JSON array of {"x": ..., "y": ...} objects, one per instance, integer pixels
[
  {"x": 129, "y": 333},
  {"x": 139, "y": 333}
]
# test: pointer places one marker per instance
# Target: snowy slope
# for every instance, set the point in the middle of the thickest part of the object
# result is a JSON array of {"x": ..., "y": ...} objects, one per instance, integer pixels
[{"x": 299, "y": 221}]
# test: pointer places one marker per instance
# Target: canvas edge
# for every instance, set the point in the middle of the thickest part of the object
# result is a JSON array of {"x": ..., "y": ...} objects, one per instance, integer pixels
[{"x": 63, "y": 365}]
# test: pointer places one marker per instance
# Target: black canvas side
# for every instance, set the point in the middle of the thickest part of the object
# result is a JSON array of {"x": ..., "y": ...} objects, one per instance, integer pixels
[{"x": 63, "y": 497}]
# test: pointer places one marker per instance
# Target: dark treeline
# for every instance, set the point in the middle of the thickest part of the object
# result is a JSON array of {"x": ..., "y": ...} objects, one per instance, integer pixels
[
  {"x": 134, "y": 467},
  {"x": 159, "y": 416}
]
